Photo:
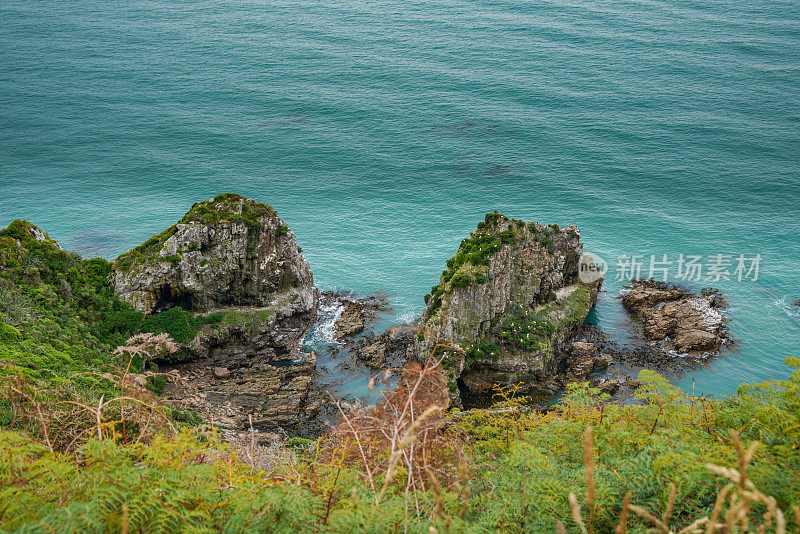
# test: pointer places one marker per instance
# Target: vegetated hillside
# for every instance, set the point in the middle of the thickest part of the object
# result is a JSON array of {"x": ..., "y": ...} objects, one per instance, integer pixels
[
  {"x": 504, "y": 470},
  {"x": 86, "y": 445},
  {"x": 59, "y": 316}
]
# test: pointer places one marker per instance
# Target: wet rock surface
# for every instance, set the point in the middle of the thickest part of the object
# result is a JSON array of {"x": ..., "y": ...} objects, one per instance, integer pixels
[
  {"x": 357, "y": 313},
  {"x": 388, "y": 350},
  {"x": 679, "y": 319}
]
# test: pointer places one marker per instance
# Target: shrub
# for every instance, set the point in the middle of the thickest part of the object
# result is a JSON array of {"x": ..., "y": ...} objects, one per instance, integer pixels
[
  {"x": 183, "y": 326},
  {"x": 462, "y": 279}
]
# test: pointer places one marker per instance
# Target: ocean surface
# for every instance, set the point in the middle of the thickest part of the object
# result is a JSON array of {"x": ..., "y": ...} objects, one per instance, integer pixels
[{"x": 382, "y": 131}]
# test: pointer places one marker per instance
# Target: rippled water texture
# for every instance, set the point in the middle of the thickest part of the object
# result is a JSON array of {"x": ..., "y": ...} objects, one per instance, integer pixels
[{"x": 383, "y": 131}]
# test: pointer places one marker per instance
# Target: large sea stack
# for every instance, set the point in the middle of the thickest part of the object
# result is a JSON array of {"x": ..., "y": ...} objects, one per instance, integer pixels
[{"x": 512, "y": 300}]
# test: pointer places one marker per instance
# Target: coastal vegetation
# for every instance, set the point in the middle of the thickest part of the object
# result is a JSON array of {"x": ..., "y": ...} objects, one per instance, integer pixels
[
  {"x": 226, "y": 207},
  {"x": 674, "y": 463},
  {"x": 468, "y": 266},
  {"x": 231, "y": 208},
  {"x": 88, "y": 444}
]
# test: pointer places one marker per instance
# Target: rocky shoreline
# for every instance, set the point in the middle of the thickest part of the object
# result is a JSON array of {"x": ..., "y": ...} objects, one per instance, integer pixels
[
  {"x": 509, "y": 305},
  {"x": 510, "y": 309}
]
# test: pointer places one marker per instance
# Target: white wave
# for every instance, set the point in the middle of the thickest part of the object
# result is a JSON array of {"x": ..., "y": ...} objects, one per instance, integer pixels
[
  {"x": 786, "y": 303},
  {"x": 325, "y": 329},
  {"x": 407, "y": 317}
]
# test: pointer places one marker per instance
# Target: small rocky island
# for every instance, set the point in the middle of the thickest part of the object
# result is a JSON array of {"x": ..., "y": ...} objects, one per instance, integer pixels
[
  {"x": 511, "y": 299},
  {"x": 684, "y": 322}
]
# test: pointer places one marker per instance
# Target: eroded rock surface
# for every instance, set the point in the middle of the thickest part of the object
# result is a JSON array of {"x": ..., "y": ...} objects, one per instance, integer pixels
[
  {"x": 511, "y": 298},
  {"x": 229, "y": 251},
  {"x": 683, "y": 321},
  {"x": 352, "y": 320},
  {"x": 390, "y": 349}
]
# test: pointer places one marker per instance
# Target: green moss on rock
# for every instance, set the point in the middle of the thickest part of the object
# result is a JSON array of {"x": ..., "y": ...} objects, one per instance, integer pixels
[
  {"x": 225, "y": 208},
  {"x": 229, "y": 207}
]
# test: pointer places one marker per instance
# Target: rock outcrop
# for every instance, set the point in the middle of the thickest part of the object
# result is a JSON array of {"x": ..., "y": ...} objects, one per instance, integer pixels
[
  {"x": 512, "y": 300},
  {"x": 22, "y": 231},
  {"x": 390, "y": 349},
  {"x": 229, "y": 251},
  {"x": 234, "y": 265},
  {"x": 352, "y": 321},
  {"x": 683, "y": 321},
  {"x": 247, "y": 363}
]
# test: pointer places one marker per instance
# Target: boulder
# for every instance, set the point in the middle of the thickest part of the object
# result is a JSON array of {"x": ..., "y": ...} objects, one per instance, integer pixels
[
  {"x": 373, "y": 355},
  {"x": 221, "y": 372},
  {"x": 512, "y": 300},
  {"x": 695, "y": 340},
  {"x": 681, "y": 320},
  {"x": 351, "y": 321},
  {"x": 390, "y": 349},
  {"x": 602, "y": 362}
]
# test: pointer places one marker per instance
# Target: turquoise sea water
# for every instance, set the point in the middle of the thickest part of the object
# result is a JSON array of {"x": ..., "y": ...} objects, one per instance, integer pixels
[{"x": 383, "y": 131}]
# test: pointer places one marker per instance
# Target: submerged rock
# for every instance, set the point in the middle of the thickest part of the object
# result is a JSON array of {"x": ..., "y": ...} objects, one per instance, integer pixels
[
  {"x": 683, "y": 321},
  {"x": 512, "y": 300},
  {"x": 796, "y": 303},
  {"x": 235, "y": 267}
]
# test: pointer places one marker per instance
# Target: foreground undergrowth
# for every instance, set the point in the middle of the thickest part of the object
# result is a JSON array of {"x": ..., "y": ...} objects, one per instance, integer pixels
[{"x": 675, "y": 463}]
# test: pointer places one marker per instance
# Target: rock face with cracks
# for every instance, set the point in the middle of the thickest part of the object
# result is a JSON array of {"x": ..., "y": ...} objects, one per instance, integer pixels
[
  {"x": 229, "y": 251},
  {"x": 511, "y": 300}
]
